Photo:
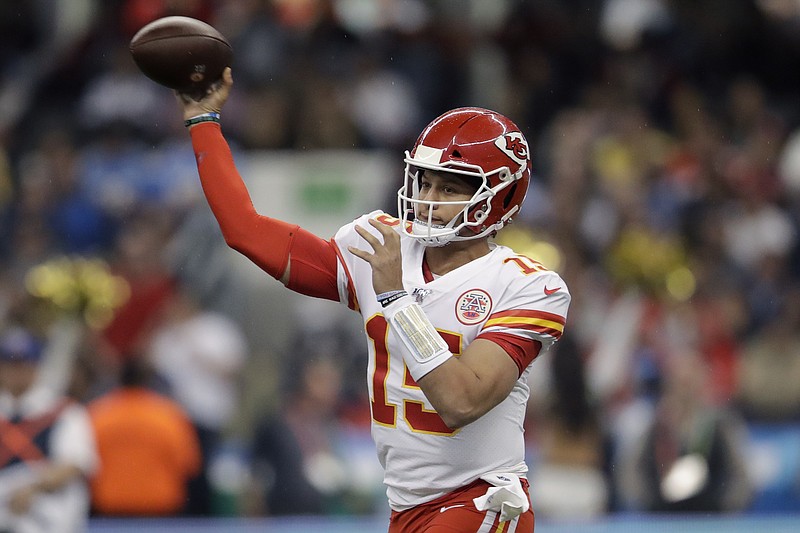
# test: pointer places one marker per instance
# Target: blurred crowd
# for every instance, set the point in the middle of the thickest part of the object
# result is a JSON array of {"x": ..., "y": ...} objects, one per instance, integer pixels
[{"x": 665, "y": 139}]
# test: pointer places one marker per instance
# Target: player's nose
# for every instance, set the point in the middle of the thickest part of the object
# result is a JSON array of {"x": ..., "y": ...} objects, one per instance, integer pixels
[
  {"x": 432, "y": 194},
  {"x": 427, "y": 209}
]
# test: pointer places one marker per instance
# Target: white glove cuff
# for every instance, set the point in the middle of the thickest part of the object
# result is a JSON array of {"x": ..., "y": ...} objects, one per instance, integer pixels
[{"x": 426, "y": 348}]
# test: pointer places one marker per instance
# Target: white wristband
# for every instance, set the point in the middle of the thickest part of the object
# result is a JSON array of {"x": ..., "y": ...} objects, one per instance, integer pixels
[{"x": 426, "y": 348}]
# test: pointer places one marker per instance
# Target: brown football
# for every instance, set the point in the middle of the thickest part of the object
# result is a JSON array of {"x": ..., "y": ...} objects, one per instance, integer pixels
[{"x": 181, "y": 53}]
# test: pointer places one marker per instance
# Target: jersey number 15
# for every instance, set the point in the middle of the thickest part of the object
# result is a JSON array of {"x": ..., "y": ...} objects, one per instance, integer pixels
[{"x": 416, "y": 415}]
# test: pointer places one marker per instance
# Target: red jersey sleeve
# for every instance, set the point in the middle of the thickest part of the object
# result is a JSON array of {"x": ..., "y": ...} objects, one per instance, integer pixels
[
  {"x": 522, "y": 350},
  {"x": 267, "y": 242}
]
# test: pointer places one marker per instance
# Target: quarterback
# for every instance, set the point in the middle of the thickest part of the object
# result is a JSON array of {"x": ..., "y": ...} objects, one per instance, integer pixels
[{"x": 453, "y": 321}]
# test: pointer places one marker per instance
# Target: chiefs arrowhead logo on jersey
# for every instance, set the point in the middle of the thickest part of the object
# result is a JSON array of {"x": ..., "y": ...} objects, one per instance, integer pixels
[
  {"x": 514, "y": 146},
  {"x": 473, "y": 306}
]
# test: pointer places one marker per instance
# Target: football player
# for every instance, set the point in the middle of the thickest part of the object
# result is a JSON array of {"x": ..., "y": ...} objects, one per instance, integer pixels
[{"x": 453, "y": 320}]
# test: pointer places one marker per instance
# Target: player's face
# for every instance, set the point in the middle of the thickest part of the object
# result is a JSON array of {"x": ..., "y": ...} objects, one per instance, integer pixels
[{"x": 435, "y": 186}]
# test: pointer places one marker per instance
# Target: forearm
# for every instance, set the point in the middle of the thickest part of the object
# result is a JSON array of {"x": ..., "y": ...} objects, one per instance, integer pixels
[
  {"x": 224, "y": 189},
  {"x": 464, "y": 388},
  {"x": 263, "y": 240},
  {"x": 455, "y": 392},
  {"x": 269, "y": 243},
  {"x": 460, "y": 389}
]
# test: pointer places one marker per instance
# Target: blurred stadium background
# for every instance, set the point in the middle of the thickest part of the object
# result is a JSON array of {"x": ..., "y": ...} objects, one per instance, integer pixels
[{"x": 666, "y": 152}]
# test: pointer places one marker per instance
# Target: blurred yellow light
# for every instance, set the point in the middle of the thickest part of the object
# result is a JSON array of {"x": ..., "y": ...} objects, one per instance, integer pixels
[
  {"x": 524, "y": 242},
  {"x": 681, "y": 284},
  {"x": 80, "y": 286}
]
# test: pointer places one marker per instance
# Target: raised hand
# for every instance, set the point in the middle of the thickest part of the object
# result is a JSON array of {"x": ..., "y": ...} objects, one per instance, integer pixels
[
  {"x": 215, "y": 97},
  {"x": 385, "y": 259}
]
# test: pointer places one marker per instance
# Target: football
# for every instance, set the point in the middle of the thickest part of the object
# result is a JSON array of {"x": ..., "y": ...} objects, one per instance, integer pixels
[{"x": 181, "y": 53}]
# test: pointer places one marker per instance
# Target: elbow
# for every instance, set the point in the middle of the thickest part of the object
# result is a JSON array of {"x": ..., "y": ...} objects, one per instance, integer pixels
[
  {"x": 455, "y": 422},
  {"x": 236, "y": 240},
  {"x": 239, "y": 243},
  {"x": 458, "y": 416},
  {"x": 276, "y": 265},
  {"x": 239, "y": 229},
  {"x": 455, "y": 404},
  {"x": 461, "y": 406}
]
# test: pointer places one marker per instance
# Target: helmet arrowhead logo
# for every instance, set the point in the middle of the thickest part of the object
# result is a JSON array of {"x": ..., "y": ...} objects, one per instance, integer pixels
[{"x": 514, "y": 146}]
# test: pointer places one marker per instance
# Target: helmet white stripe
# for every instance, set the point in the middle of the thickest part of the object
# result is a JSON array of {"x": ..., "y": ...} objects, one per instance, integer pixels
[{"x": 427, "y": 155}]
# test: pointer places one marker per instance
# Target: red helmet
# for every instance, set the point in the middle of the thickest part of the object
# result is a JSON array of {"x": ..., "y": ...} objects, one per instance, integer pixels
[{"x": 474, "y": 143}]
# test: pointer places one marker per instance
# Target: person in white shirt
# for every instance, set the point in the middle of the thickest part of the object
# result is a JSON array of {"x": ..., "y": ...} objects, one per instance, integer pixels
[{"x": 47, "y": 447}]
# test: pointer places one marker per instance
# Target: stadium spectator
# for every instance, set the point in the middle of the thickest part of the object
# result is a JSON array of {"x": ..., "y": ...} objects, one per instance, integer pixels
[
  {"x": 297, "y": 467},
  {"x": 47, "y": 447},
  {"x": 313, "y": 453},
  {"x": 691, "y": 458},
  {"x": 148, "y": 448},
  {"x": 568, "y": 473},
  {"x": 200, "y": 355},
  {"x": 137, "y": 256},
  {"x": 767, "y": 388}
]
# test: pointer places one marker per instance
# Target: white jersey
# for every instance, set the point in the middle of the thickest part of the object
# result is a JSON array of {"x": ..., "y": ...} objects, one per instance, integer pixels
[
  {"x": 499, "y": 293},
  {"x": 70, "y": 441}
]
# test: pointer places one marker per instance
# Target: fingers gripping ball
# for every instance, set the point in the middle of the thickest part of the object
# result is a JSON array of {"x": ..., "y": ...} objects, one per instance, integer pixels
[{"x": 181, "y": 53}]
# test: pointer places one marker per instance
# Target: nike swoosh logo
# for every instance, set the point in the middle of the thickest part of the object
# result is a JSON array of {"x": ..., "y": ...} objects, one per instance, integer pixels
[
  {"x": 443, "y": 509},
  {"x": 548, "y": 292}
]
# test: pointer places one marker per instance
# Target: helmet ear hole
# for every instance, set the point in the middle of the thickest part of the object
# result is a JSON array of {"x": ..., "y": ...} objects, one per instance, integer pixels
[
  {"x": 456, "y": 154},
  {"x": 509, "y": 196}
]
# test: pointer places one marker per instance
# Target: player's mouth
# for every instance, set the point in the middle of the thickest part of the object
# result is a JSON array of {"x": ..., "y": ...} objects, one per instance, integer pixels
[{"x": 433, "y": 222}]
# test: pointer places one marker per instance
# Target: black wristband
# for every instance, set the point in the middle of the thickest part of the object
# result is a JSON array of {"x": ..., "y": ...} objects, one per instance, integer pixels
[{"x": 388, "y": 297}]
